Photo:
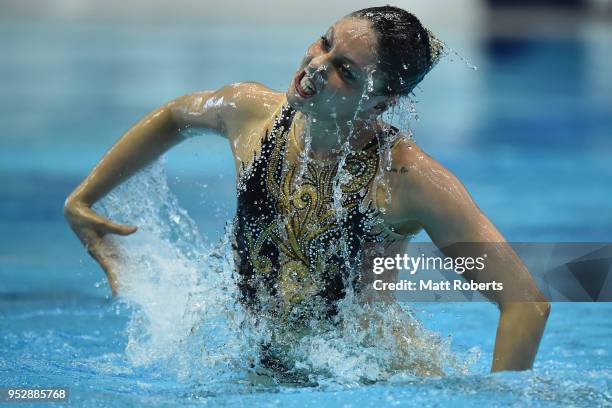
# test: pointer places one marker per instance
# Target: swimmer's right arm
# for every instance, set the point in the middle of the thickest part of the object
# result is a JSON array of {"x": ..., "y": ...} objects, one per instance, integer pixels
[{"x": 144, "y": 142}]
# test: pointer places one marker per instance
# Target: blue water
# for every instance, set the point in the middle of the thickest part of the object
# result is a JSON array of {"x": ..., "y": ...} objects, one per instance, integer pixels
[{"x": 528, "y": 134}]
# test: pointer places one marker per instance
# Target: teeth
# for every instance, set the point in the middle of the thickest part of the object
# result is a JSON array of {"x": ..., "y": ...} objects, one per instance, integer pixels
[{"x": 307, "y": 84}]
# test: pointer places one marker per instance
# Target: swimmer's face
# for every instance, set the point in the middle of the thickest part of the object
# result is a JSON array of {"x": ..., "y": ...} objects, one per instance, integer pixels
[{"x": 338, "y": 74}]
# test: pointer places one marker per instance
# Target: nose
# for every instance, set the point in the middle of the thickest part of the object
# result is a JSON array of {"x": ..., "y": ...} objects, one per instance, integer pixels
[{"x": 317, "y": 67}]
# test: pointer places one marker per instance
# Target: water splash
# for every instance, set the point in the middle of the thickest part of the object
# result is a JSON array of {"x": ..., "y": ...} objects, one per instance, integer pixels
[
  {"x": 402, "y": 344},
  {"x": 179, "y": 287},
  {"x": 186, "y": 319},
  {"x": 445, "y": 51}
]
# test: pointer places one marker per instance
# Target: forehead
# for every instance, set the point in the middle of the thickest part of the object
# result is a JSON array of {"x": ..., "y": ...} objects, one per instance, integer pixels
[{"x": 356, "y": 39}]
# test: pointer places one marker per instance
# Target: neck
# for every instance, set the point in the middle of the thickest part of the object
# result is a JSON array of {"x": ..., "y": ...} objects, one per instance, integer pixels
[{"x": 328, "y": 137}]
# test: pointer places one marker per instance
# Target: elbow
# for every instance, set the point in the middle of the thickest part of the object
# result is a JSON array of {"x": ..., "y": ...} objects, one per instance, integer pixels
[
  {"x": 545, "y": 308},
  {"x": 532, "y": 302},
  {"x": 541, "y": 304},
  {"x": 538, "y": 309},
  {"x": 69, "y": 205}
]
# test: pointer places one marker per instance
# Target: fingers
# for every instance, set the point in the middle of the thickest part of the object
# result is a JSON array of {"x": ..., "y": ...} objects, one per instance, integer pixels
[
  {"x": 107, "y": 257},
  {"x": 105, "y": 226},
  {"x": 120, "y": 229},
  {"x": 111, "y": 276},
  {"x": 91, "y": 228}
]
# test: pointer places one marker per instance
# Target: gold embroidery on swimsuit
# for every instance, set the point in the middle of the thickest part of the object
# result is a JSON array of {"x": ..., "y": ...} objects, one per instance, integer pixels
[{"x": 306, "y": 218}]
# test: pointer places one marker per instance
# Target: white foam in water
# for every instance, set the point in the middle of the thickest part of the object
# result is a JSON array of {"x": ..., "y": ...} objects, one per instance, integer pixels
[
  {"x": 186, "y": 319},
  {"x": 180, "y": 288}
]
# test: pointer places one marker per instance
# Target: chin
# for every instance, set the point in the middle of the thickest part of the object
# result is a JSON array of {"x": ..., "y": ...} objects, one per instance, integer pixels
[
  {"x": 292, "y": 100},
  {"x": 297, "y": 103}
]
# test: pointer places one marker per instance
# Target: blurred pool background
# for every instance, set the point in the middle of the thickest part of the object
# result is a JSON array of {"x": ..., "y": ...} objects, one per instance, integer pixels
[{"x": 528, "y": 133}]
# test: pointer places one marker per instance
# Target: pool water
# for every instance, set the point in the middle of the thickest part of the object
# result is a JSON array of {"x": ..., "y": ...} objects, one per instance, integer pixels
[{"x": 528, "y": 134}]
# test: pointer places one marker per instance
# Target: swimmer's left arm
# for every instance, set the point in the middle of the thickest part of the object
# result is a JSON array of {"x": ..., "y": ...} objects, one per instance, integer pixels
[{"x": 434, "y": 197}]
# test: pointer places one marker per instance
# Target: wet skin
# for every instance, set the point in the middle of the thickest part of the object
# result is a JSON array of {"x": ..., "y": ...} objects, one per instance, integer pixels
[{"x": 337, "y": 102}]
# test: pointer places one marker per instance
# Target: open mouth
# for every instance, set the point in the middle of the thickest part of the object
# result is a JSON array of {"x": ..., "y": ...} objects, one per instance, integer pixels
[{"x": 305, "y": 86}]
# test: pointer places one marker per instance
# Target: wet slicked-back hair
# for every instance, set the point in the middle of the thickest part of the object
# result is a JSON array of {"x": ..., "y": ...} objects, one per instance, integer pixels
[{"x": 405, "y": 48}]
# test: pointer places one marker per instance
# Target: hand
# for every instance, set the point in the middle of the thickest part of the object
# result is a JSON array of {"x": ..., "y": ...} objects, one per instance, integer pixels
[{"x": 91, "y": 228}]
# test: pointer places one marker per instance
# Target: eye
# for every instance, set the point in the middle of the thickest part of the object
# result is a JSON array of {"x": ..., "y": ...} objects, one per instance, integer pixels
[
  {"x": 346, "y": 72},
  {"x": 325, "y": 42}
]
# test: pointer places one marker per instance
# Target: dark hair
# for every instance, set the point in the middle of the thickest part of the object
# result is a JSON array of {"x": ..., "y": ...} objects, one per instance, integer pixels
[{"x": 404, "y": 49}]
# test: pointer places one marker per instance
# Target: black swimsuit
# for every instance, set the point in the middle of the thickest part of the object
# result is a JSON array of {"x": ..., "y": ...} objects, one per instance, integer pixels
[{"x": 294, "y": 252}]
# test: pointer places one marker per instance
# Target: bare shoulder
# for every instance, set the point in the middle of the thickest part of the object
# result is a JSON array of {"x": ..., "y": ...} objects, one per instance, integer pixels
[
  {"x": 252, "y": 98},
  {"x": 416, "y": 166},
  {"x": 421, "y": 182},
  {"x": 251, "y": 104},
  {"x": 227, "y": 108}
]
